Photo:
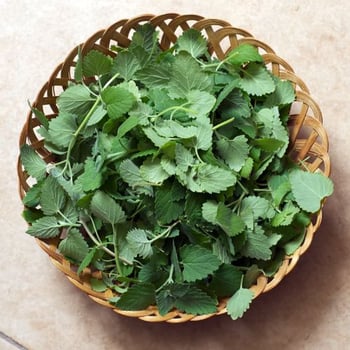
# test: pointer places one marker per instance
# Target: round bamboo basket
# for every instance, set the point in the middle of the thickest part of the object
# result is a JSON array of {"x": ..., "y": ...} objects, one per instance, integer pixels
[{"x": 308, "y": 138}]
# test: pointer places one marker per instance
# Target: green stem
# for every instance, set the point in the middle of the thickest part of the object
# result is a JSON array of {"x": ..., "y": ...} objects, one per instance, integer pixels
[
  {"x": 165, "y": 232},
  {"x": 168, "y": 280},
  {"x": 225, "y": 122}
]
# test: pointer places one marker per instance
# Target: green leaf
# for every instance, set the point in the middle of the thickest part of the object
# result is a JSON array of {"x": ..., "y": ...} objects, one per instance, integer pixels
[
  {"x": 309, "y": 189},
  {"x": 204, "y": 134},
  {"x": 98, "y": 285},
  {"x": 137, "y": 297},
  {"x": 92, "y": 177},
  {"x": 283, "y": 95},
  {"x": 196, "y": 302},
  {"x": 291, "y": 246},
  {"x": 230, "y": 222},
  {"x": 154, "y": 76},
  {"x": 106, "y": 208},
  {"x": 247, "y": 168},
  {"x": 31, "y": 215},
  {"x": 168, "y": 204},
  {"x": 45, "y": 227},
  {"x": 260, "y": 206},
  {"x": 235, "y": 105},
  {"x": 193, "y": 42},
  {"x": 286, "y": 216},
  {"x": 87, "y": 260},
  {"x": 207, "y": 178},
  {"x": 40, "y": 116},
  {"x": 129, "y": 124},
  {"x": 33, "y": 164},
  {"x": 52, "y": 198},
  {"x": 145, "y": 36},
  {"x": 197, "y": 262},
  {"x": 118, "y": 101},
  {"x": 181, "y": 82},
  {"x": 279, "y": 186},
  {"x": 32, "y": 197},
  {"x": 75, "y": 99},
  {"x": 126, "y": 64},
  {"x": 234, "y": 152},
  {"x": 243, "y": 53},
  {"x": 239, "y": 303},
  {"x": 96, "y": 63},
  {"x": 257, "y": 245},
  {"x": 96, "y": 116},
  {"x": 184, "y": 157},
  {"x": 226, "y": 280},
  {"x": 139, "y": 242},
  {"x": 152, "y": 172},
  {"x": 210, "y": 211},
  {"x": 269, "y": 144},
  {"x": 62, "y": 128},
  {"x": 74, "y": 246},
  {"x": 256, "y": 80}
]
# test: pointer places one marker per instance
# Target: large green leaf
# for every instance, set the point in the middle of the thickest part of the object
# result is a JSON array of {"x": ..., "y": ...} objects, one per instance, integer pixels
[
  {"x": 33, "y": 164},
  {"x": 74, "y": 246},
  {"x": 52, "y": 198},
  {"x": 309, "y": 189},
  {"x": 96, "y": 63},
  {"x": 193, "y": 42},
  {"x": 118, "y": 101}
]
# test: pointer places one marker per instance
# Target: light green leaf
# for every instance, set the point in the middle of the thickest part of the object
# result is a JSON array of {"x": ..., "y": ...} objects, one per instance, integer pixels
[
  {"x": 234, "y": 152},
  {"x": 97, "y": 116},
  {"x": 247, "y": 168},
  {"x": 139, "y": 242},
  {"x": 170, "y": 129},
  {"x": 286, "y": 216},
  {"x": 154, "y": 76},
  {"x": 52, "y": 198},
  {"x": 279, "y": 186},
  {"x": 239, "y": 303},
  {"x": 257, "y": 245},
  {"x": 75, "y": 99},
  {"x": 152, "y": 172},
  {"x": 209, "y": 211},
  {"x": 61, "y": 129},
  {"x": 204, "y": 134},
  {"x": 98, "y": 285},
  {"x": 309, "y": 189},
  {"x": 74, "y": 246},
  {"x": 45, "y": 227},
  {"x": 257, "y": 80},
  {"x": 137, "y": 297},
  {"x": 118, "y": 101},
  {"x": 260, "y": 206},
  {"x": 184, "y": 158},
  {"x": 129, "y": 124},
  {"x": 243, "y": 53},
  {"x": 269, "y": 144},
  {"x": 230, "y": 222},
  {"x": 96, "y": 63},
  {"x": 200, "y": 103},
  {"x": 106, "y": 208},
  {"x": 33, "y": 164},
  {"x": 197, "y": 262},
  {"x": 193, "y": 42},
  {"x": 92, "y": 177},
  {"x": 126, "y": 64}
]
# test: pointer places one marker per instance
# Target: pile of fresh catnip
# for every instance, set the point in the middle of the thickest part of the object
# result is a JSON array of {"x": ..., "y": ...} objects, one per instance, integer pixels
[{"x": 171, "y": 174}]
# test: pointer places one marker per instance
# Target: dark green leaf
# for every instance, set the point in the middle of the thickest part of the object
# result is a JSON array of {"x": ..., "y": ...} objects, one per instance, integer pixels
[
  {"x": 33, "y": 164},
  {"x": 226, "y": 280},
  {"x": 74, "y": 246},
  {"x": 45, "y": 227},
  {"x": 52, "y": 197},
  {"x": 126, "y": 64},
  {"x": 96, "y": 63},
  {"x": 137, "y": 297}
]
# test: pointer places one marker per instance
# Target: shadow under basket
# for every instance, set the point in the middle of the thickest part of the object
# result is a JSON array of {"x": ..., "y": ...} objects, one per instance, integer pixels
[{"x": 308, "y": 138}]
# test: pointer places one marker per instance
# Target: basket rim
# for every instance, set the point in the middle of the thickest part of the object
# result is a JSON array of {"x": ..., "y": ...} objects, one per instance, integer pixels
[{"x": 61, "y": 76}]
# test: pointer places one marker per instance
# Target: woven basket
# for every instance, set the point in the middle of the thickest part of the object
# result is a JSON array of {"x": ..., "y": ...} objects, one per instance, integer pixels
[{"x": 308, "y": 138}]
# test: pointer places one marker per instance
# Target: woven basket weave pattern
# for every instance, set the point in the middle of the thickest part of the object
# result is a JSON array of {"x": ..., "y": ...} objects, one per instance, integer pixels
[{"x": 308, "y": 138}]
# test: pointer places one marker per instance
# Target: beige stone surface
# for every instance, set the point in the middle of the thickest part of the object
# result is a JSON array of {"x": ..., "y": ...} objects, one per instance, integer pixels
[{"x": 310, "y": 309}]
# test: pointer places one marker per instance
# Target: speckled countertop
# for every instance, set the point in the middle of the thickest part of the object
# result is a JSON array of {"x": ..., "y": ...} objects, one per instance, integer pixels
[{"x": 310, "y": 309}]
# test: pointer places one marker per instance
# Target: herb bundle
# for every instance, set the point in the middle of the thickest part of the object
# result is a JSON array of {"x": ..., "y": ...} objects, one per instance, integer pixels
[{"x": 171, "y": 174}]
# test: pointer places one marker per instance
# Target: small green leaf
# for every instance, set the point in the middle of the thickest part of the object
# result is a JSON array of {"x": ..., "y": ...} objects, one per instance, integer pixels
[
  {"x": 309, "y": 189},
  {"x": 91, "y": 179},
  {"x": 137, "y": 297},
  {"x": 154, "y": 76},
  {"x": 98, "y": 285},
  {"x": 257, "y": 80},
  {"x": 257, "y": 245},
  {"x": 294, "y": 244},
  {"x": 32, "y": 197},
  {"x": 61, "y": 129},
  {"x": 280, "y": 186},
  {"x": 97, "y": 116},
  {"x": 32, "y": 163},
  {"x": 269, "y": 144},
  {"x": 152, "y": 172},
  {"x": 52, "y": 198},
  {"x": 106, "y": 208},
  {"x": 243, "y": 53},
  {"x": 96, "y": 63},
  {"x": 247, "y": 168},
  {"x": 193, "y": 42},
  {"x": 230, "y": 222},
  {"x": 74, "y": 246},
  {"x": 45, "y": 227},
  {"x": 118, "y": 101},
  {"x": 139, "y": 242},
  {"x": 197, "y": 262},
  {"x": 184, "y": 158},
  {"x": 235, "y": 105},
  {"x": 283, "y": 95},
  {"x": 286, "y": 216},
  {"x": 239, "y": 303},
  {"x": 87, "y": 260},
  {"x": 260, "y": 206},
  {"x": 128, "y": 124}
]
